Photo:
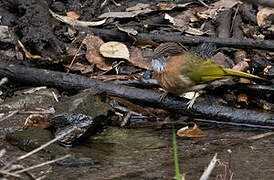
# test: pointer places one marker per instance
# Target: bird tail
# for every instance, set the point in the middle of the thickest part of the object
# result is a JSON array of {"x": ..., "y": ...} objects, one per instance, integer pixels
[{"x": 231, "y": 72}]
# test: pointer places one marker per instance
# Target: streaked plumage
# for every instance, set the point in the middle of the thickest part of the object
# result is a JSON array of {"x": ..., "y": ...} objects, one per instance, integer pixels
[{"x": 179, "y": 71}]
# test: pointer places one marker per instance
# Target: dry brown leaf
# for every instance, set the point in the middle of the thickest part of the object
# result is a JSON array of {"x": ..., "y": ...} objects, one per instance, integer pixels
[
  {"x": 5, "y": 35},
  {"x": 195, "y": 31},
  {"x": 84, "y": 69},
  {"x": 138, "y": 6},
  {"x": 242, "y": 98},
  {"x": 179, "y": 23},
  {"x": 73, "y": 14},
  {"x": 221, "y": 59},
  {"x": 136, "y": 108},
  {"x": 93, "y": 55},
  {"x": 130, "y": 12},
  {"x": 217, "y": 7},
  {"x": 170, "y": 6},
  {"x": 263, "y": 14},
  {"x": 137, "y": 59},
  {"x": 241, "y": 66},
  {"x": 37, "y": 120},
  {"x": 191, "y": 132},
  {"x": 114, "y": 49},
  {"x": 128, "y": 30}
]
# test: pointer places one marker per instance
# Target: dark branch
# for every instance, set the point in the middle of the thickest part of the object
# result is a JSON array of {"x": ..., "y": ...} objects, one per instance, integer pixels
[
  {"x": 205, "y": 110},
  {"x": 185, "y": 40}
]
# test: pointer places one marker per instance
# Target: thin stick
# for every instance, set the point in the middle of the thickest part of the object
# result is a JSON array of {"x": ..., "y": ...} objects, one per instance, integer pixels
[
  {"x": 37, "y": 149},
  {"x": 203, "y": 3},
  {"x": 42, "y": 164},
  {"x": 78, "y": 50},
  {"x": 11, "y": 114},
  {"x": 8, "y": 173}
]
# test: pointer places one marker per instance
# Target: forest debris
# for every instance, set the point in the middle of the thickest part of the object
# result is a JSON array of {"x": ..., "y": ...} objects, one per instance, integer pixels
[
  {"x": 27, "y": 53},
  {"x": 129, "y": 31},
  {"x": 259, "y": 136},
  {"x": 137, "y": 59},
  {"x": 210, "y": 168},
  {"x": 93, "y": 55},
  {"x": 242, "y": 98},
  {"x": 84, "y": 69},
  {"x": 216, "y": 7},
  {"x": 4, "y": 34},
  {"x": 181, "y": 24},
  {"x": 222, "y": 60},
  {"x": 114, "y": 49},
  {"x": 263, "y": 16},
  {"x": 116, "y": 77},
  {"x": 73, "y": 14},
  {"x": 130, "y": 12},
  {"x": 170, "y": 6},
  {"x": 37, "y": 120},
  {"x": 186, "y": 40},
  {"x": 268, "y": 3},
  {"x": 267, "y": 68},
  {"x": 261, "y": 103},
  {"x": 195, "y": 31},
  {"x": 138, "y": 6},
  {"x": 3, "y": 81},
  {"x": 243, "y": 117},
  {"x": 241, "y": 66},
  {"x": 194, "y": 131},
  {"x": 74, "y": 22}
]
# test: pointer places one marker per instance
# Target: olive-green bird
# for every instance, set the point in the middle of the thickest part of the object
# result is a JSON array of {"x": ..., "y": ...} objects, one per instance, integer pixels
[{"x": 179, "y": 71}]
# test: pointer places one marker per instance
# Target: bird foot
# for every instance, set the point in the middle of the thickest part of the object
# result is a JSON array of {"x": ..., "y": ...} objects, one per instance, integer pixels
[
  {"x": 163, "y": 95},
  {"x": 192, "y": 100}
]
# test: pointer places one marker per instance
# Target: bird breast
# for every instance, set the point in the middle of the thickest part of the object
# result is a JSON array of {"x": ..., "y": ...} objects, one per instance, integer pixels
[{"x": 171, "y": 79}]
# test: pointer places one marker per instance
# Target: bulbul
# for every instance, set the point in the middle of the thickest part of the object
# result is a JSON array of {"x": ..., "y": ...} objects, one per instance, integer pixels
[{"x": 179, "y": 71}]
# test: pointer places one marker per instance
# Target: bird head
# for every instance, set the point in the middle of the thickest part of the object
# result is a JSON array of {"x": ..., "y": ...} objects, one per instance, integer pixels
[
  {"x": 163, "y": 53},
  {"x": 158, "y": 64}
]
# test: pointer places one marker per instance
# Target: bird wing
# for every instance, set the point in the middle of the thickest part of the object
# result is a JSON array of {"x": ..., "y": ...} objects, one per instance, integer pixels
[{"x": 200, "y": 70}]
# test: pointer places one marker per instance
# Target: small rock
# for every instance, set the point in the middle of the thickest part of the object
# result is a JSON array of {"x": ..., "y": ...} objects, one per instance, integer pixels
[{"x": 87, "y": 112}]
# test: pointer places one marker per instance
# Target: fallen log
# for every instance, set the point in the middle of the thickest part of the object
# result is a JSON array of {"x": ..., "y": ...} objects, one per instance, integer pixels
[
  {"x": 203, "y": 110},
  {"x": 185, "y": 40}
]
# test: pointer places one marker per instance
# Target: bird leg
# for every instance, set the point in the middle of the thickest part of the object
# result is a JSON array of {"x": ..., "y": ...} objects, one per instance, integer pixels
[
  {"x": 163, "y": 95},
  {"x": 197, "y": 91},
  {"x": 192, "y": 100}
]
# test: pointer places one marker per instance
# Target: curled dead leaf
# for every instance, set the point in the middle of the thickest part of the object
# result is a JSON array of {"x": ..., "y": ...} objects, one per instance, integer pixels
[
  {"x": 114, "y": 49},
  {"x": 137, "y": 59},
  {"x": 74, "y": 22},
  {"x": 263, "y": 14},
  {"x": 242, "y": 98},
  {"x": 93, "y": 55},
  {"x": 216, "y": 7},
  {"x": 194, "y": 131},
  {"x": 37, "y": 120}
]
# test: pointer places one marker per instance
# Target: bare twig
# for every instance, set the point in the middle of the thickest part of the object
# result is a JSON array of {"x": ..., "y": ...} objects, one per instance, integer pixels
[
  {"x": 37, "y": 149},
  {"x": 9, "y": 173},
  {"x": 209, "y": 168},
  {"x": 203, "y": 3},
  {"x": 9, "y": 115},
  {"x": 185, "y": 40},
  {"x": 259, "y": 136},
  {"x": 41, "y": 164}
]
